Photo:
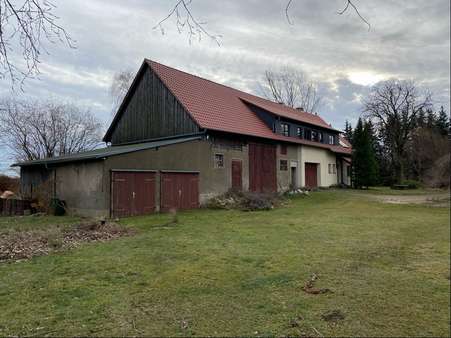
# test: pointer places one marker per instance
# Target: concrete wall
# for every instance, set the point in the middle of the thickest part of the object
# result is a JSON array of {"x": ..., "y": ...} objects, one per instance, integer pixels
[{"x": 81, "y": 186}]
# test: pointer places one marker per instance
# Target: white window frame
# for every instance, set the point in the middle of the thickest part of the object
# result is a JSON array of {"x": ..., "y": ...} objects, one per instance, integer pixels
[{"x": 216, "y": 162}]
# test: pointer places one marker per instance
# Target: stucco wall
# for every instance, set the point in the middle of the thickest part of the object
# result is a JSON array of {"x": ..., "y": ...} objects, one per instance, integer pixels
[
  {"x": 189, "y": 156},
  {"x": 323, "y": 158}
]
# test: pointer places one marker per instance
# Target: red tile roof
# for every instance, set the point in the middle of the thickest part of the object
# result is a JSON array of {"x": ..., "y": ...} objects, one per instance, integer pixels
[{"x": 218, "y": 107}]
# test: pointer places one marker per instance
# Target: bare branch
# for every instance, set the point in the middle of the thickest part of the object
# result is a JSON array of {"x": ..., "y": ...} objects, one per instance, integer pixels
[
  {"x": 350, "y": 3},
  {"x": 23, "y": 29},
  {"x": 186, "y": 20},
  {"x": 292, "y": 88},
  {"x": 35, "y": 130}
]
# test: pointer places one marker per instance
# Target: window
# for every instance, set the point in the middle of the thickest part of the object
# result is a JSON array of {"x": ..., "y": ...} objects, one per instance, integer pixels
[
  {"x": 307, "y": 134},
  {"x": 331, "y": 139},
  {"x": 285, "y": 129},
  {"x": 283, "y": 165},
  {"x": 283, "y": 149},
  {"x": 348, "y": 170},
  {"x": 219, "y": 161},
  {"x": 332, "y": 168},
  {"x": 299, "y": 132},
  {"x": 314, "y": 135},
  {"x": 320, "y": 137}
]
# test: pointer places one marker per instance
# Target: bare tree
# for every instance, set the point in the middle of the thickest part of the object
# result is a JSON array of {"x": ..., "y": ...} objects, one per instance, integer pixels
[
  {"x": 394, "y": 106},
  {"x": 35, "y": 130},
  {"x": 186, "y": 20},
  {"x": 24, "y": 28},
  {"x": 119, "y": 87},
  {"x": 293, "y": 88}
]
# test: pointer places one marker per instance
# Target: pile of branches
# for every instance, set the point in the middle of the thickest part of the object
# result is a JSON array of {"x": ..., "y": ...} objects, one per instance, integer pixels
[
  {"x": 246, "y": 201},
  {"x": 19, "y": 245}
]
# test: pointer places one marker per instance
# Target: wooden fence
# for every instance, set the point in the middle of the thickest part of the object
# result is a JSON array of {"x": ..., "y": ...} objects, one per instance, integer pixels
[{"x": 12, "y": 207}]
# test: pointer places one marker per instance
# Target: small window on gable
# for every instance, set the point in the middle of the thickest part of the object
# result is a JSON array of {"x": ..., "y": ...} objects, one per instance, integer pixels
[
  {"x": 285, "y": 128},
  {"x": 283, "y": 149},
  {"x": 219, "y": 161},
  {"x": 283, "y": 165},
  {"x": 299, "y": 132}
]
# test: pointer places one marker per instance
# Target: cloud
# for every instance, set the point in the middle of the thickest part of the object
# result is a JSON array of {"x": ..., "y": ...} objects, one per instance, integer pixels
[{"x": 408, "y": 39}]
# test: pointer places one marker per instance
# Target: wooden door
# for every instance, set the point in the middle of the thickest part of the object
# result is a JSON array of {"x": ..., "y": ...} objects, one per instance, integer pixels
[
  {"x": 311, "y": 175},
  {"x": 133, "y": 193},
  {"x": 262, "y": 167},
  {"x": 237, "y": 175},
  {"x": 179, "y": 191}
]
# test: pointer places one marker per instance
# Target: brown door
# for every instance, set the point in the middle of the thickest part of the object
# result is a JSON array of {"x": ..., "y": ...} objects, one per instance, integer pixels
[
  {"x": 179, "y": 191},
  {"x": 311, "y": 175},
  {"x": 133, "y": 193},
  {"x": 262, "y": 167},
  {"x": 237, "y": 175}
]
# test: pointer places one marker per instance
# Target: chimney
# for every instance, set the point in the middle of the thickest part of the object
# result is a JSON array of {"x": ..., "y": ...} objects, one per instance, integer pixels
[{"x": 300, "y": 108}]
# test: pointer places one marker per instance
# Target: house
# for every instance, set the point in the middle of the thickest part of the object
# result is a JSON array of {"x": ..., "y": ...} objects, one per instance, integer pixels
[{"x": 178, "y": 140}]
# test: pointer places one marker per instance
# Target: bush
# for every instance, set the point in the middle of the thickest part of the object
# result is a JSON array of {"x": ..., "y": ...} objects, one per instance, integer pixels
[
  {"x": 411, "y": 184},
  {"x": 246, "y": 201},
  {"x": 9, "y": 183}
]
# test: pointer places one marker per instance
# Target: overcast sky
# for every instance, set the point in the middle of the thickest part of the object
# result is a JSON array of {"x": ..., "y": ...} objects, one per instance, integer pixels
[{"x": 408, "y": 39}]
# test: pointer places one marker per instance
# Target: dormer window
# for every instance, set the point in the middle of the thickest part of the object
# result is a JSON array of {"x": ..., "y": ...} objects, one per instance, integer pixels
[
  {"x": 285, "y": 128},
  {"x": 299, "y": 132},
  {"x": 331, "y": 139}
]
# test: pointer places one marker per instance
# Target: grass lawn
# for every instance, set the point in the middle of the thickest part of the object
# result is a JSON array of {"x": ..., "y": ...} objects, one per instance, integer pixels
[{"x": 237, "y": 273}]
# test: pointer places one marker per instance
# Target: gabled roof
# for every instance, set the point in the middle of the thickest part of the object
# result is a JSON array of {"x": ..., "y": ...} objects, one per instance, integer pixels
[
  {"x": 218, "y": 107},
  {"x": 102, "y": 153}
]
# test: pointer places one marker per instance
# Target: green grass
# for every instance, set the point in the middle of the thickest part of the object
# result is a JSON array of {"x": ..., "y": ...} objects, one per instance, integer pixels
[
  {"x": 406, "y": 192},
  {"x": 26, "y": 223},
  {"x": 237, "y": 273}
]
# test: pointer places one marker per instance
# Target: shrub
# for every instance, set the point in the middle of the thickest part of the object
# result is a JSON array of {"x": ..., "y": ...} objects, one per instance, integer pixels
[
  {"x": 411, "y": 184},
  {"x": 246, "y": 201}
]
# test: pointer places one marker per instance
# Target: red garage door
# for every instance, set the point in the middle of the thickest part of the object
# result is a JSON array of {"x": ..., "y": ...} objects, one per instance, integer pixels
[
  {"x": 133, "y": 193},
  {"x": 179, "y": 191},
  {"x": 262, "y": 168},
  {"x": 311, "y": 175}
]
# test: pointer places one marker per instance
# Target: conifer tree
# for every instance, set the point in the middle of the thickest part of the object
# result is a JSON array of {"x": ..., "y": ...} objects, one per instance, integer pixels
[
  {"x": 348, "y": 131},
  {"x": 363, "y": 157},
  {"x": 442, "y": 122}
]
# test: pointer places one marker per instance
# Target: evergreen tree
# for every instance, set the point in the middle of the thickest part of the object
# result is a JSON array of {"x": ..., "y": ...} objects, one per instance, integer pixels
[
  {"x": 363, "y": 157},
  {"x": 442, "y": 122},
  {"x": 348, "y": 131},
  {"x": 421, "y": 119},
  {"x": 430, "y": 119}
]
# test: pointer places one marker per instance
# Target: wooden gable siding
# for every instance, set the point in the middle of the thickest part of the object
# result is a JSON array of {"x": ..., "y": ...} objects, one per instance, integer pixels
[{"x": 152, "y": 111}]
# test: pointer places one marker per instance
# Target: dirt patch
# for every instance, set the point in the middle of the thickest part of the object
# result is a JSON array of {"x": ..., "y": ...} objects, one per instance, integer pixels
[
  {"x": 309, "y": 287},
  {"x": 333, "y": 316},
  {"x": 435, "y": 200},
  {"x": 16, "y": 246}
]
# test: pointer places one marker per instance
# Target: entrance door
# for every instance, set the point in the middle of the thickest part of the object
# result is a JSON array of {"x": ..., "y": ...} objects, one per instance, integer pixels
[
  {"x": 133, "y": 193},
  {"x": 179, "y": 191},
  {"x": 311, "y": 175},
  {"x": 237, "y": 175},
  {"x": 262, "y": 167}
]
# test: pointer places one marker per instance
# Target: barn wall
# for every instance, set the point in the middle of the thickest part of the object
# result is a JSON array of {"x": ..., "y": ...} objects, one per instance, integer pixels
[
  {"x": 151, "y": 112},
  {"x": 81, "y": 186},
  {"x": 189, "y": 156},
  {"x": 33, "y": 180},
  {"x": 322, "y": 157}
]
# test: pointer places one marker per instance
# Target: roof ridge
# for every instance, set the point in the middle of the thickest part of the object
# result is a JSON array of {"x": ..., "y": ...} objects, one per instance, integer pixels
[{"x": 229, "y": 87}]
